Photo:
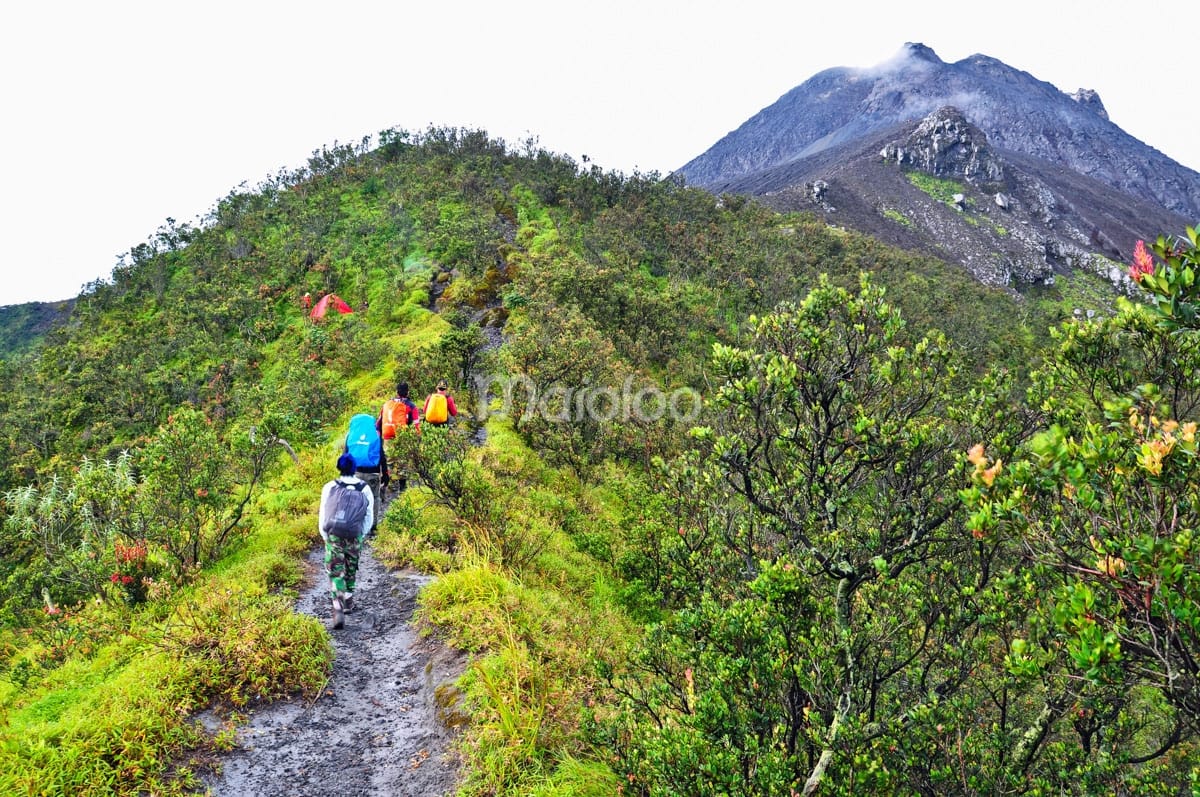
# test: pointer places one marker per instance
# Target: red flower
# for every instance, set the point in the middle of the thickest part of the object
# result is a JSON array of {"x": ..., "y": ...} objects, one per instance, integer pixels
[
  {"x": 127, "y": 580},
  {"x": 1143, "y": 263},
  {"x": 116, "y": 577}
]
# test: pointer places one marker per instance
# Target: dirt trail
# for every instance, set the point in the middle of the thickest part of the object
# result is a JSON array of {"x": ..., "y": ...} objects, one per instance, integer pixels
[{"x": 375, "y": 727}]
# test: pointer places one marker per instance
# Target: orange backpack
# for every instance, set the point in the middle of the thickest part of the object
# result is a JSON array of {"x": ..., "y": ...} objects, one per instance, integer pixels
[
  {"x": 437, "y": 411},
  {"x": 395, "y": 416}
]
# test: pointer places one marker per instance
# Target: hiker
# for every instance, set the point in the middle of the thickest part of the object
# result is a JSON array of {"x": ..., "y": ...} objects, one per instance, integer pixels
[
  {"x": 306, "y": 301},
  {"x": 364, "y": 443},
  {"x": 347, "y": 507},
  {"x": 398, "y": 412},
  {"x": 439, "y": 407}
]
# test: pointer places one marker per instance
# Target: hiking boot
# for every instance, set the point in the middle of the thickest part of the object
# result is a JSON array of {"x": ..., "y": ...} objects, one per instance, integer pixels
[
  {"x": 348, "y": 604},
  {"x": 339, "y": 618}
]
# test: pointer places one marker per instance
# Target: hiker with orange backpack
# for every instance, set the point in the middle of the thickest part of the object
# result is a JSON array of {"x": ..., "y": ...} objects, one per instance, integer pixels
[
  {"x": 439, "y": 407},
  {"x": 398, "y": 413}
]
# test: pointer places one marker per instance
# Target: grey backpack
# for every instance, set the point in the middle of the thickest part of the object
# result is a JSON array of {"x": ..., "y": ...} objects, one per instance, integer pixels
[{"x": 347, "y": 508}]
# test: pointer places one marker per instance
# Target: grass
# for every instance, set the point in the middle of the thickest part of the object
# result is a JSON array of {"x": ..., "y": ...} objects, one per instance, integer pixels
[
  {"x": 938, "y": 188},
  {"x": 535, "y": 625},
  {"x": 113, "y": 717},
  {"x": 577, "y": 778},
  {"x": 98, "y": 702},
  {"x": 1078, "y": 290},
  {"x": 109, "y": 730}
]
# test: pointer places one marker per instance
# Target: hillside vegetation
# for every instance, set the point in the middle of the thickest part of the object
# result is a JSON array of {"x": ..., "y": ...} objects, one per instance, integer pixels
[
  {"x": 23, "y": 326},
  {"x": 744, "y": 505}
]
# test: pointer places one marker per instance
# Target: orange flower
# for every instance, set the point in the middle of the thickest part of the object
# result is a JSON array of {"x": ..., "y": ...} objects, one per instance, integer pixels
[
  {"x": 1152, "y": 454},
  {"x": 1143, "y": 263},
  {"x": 1111, "y": 566},
  {"x": 975, "y": 455}
]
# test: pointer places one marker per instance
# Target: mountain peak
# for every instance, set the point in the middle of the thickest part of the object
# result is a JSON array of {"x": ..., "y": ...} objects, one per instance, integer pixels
[
  {"x": 1090, "y": 99},
  {"x": 919, "y": 51},
  {"x": 1014, "y": 110},
  {"x": 976, "y": 161}
]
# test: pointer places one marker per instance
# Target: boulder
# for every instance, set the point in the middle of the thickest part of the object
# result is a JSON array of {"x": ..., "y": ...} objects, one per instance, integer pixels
[
  {"x": 1089, "y": 99},
  {"x": 945, "y": 144}
]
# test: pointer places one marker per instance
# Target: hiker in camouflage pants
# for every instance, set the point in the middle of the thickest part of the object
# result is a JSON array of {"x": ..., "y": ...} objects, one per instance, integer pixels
[
  {"x": 341, "y": 554},
  {"x": 341, "y": 561}
]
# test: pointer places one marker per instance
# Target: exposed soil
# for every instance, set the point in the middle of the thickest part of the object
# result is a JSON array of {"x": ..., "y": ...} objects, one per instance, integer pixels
[
  {"x": 384, "y": 723},
  {"x": 378, "y": 727}
]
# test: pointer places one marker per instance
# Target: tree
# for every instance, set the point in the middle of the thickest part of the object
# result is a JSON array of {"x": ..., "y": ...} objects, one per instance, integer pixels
[
  {"x": 462, "y": 352},
  {"x": 1106, "y": 504},
  {"x": 198, "y": 484},
  {"x": 557, "y": 361},
  {"x": 829, "y": 608}
]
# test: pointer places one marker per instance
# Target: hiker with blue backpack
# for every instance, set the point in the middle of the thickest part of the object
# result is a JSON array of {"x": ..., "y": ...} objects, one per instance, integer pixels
[
  {"x": 345, "y": 517},
  {"x": 365, "y": 445}
]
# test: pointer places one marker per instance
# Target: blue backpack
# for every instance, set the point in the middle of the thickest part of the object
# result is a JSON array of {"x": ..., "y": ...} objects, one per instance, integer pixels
[{"x": 363, "y": 441}]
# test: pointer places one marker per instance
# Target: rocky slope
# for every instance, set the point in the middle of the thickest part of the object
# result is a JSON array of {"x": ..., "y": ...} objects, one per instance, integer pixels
[
  {"x": 938, "y": 186},
  {"x": 1021, "y": 180}
]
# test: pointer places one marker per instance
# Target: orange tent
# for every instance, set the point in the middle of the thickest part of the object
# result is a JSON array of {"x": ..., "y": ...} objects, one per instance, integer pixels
[{"x": 327, "y": 301}]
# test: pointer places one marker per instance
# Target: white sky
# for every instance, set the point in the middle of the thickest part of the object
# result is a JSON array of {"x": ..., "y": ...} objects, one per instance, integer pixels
[{"x": 120, "y": 114}]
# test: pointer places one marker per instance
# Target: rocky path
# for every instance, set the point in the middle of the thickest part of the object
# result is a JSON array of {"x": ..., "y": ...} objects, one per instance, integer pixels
[{"x": 375, "y": 729}]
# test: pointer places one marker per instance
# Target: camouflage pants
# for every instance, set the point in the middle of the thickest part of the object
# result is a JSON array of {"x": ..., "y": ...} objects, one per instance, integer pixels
[{"x": 341, "y": 561}]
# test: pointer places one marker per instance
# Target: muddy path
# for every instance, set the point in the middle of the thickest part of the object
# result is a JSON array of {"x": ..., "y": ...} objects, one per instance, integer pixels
[{"x": 376, "y": 727}]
